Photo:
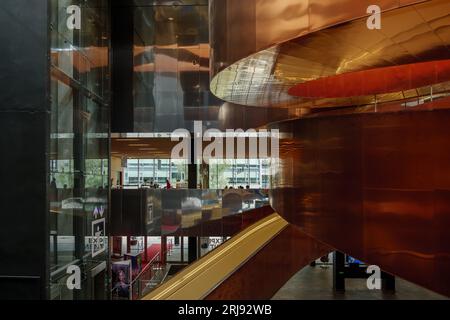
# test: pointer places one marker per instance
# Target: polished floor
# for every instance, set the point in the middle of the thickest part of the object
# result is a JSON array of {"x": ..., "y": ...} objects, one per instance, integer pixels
[{"x": 315, "y": 283}]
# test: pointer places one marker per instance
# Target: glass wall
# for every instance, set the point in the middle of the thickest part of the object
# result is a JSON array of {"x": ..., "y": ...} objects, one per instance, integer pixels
[
  {"x": 171, "y": 67},
  {"x": 254, "y": 173},
  {"x": 154, "y": 172},
  {"x": 246, "y": 173},
  {"x": 79, "y": 149},
  {"x": 236, "y": 173}
]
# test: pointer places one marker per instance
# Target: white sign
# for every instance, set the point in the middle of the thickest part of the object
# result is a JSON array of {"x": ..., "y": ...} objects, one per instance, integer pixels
[{"x": 98, "y": 242}]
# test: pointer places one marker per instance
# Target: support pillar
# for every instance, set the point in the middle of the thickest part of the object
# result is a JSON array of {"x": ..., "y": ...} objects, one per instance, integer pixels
[
  {"x": 145, "y": 248},
  {"x": 128, "y": 244},
  {"x": 356, "y": 271},
  {"x": 387, "y": 282},
  {"x": 122, "y": 33},
  {"x": 192, "y": 182},
  {"x": 182, "y": 249},
  {"x": 163, "y": 250},
  {"x": 192, "y": 168},
  {"x": 192, "y": 249},
  {"x": 338, "y": 271}
]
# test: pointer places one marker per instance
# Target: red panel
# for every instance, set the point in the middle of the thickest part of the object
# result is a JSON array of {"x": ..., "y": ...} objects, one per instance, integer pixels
[{"x": 375, "y": 81}]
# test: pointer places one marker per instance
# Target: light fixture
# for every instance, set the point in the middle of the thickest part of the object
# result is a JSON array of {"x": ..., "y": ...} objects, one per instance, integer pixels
[{"x": 138, "y": 145}]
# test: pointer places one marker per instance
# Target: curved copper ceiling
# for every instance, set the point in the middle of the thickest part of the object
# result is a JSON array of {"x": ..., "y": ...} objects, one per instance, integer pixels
[
  {"x": 241, "y": 28},
  {"x": 411, "y": 34}
]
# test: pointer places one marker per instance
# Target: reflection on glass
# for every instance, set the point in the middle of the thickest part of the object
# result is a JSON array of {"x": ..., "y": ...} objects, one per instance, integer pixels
[
  {"x": 154, "y": 173},
  {"x": 171, "y": 66},
  {"x": 79, "y": 175},
  {"x": 240, "y": 173}
]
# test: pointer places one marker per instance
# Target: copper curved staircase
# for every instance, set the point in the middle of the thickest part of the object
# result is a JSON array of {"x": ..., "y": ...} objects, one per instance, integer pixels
[{"x": 368, "y": 175}]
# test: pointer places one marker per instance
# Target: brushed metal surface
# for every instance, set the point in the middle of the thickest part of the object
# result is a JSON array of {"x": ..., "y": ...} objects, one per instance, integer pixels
[
  {"x": 269, "y": 269},
  {"x": 374, "y": 185},
  {"x": 337, "y": 42},
  {"x": 241, "y": 28}
]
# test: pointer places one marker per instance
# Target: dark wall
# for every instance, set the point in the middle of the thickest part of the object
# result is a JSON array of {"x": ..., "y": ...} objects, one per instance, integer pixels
[
  {"x": 128, "y": 212},
  {"x": 122, "y": 113},
  {"x": 24, "y": 135}
]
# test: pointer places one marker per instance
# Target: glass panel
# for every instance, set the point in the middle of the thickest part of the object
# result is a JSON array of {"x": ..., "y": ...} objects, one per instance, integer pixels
[
  {"x": 171, "y": 78},
  {"x": 79, "y": 150},
  {"x": 240, "y": 173},
  {"x": 154, "y": 173}
]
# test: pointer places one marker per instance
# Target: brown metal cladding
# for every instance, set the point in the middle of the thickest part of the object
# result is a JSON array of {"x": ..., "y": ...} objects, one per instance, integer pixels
[
  {"x": 339, "y": 42},
  {"x": 372, "y": 181},
  {"x": 374, "y": 185},
  {"x": 241, "y": 28},
  {"x": 269, "y": 269}
]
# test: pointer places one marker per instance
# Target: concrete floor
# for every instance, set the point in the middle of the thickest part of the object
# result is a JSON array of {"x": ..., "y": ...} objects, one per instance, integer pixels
[{"x": 316, "y": 283}]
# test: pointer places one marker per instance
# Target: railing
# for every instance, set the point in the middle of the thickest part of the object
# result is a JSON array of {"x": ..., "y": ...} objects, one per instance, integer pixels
[
  {"x": 139, "y": 285},
  {"x": 149, "y": 276},
  {"x": 168, "y": 212},
  {"x": 198, "y": 279}
]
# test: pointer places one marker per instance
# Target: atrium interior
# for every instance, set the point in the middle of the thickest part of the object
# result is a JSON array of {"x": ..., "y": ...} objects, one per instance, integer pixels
[{"x": 225, "y": 150}]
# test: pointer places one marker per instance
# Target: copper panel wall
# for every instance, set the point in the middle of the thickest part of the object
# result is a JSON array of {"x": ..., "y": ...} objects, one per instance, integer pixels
[
  {"x": 241, "y": 28},
  {"x": 314, "y": 69},
  {"x": 245, "y": 117},
  {"x": 376, "y": 186},
  {"x": 266, "y": 272}
]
